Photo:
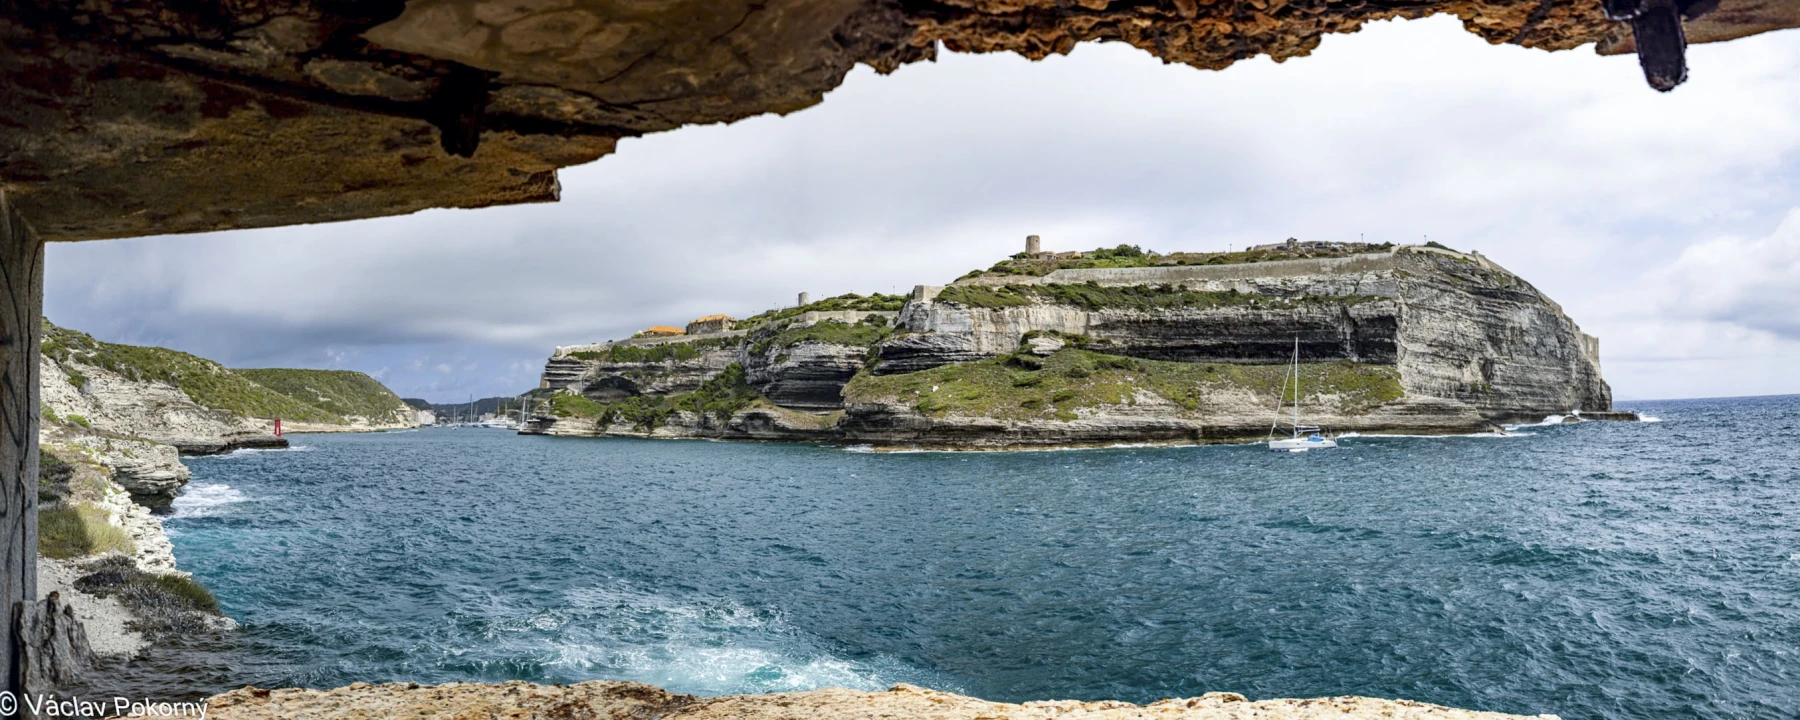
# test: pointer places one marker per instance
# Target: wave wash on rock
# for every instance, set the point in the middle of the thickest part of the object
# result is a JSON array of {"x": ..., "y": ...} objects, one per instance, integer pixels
[{"x": 1409, "y": 339}]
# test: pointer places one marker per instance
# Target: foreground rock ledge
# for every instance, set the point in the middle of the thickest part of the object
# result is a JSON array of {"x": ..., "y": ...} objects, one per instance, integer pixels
[{"x": 601, "y": 699}]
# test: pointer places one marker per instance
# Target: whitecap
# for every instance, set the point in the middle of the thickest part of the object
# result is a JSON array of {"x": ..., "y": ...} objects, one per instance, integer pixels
[
  {"x": 1546, "y": 422},
  {"x": 700, "y": 644},
  {"x": 249, "y": 452},
  {"x": 204, "y": 500}
]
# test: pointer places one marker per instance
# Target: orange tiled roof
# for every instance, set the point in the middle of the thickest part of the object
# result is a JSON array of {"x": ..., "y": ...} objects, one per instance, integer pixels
[
  {"x": 665, "y": 330},
  {"x": 714, "y": 317}
]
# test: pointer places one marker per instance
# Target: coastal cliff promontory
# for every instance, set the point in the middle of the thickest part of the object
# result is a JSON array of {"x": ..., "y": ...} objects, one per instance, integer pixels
[
  {"x": 1114, "y": 345},
  {"x": 197, "y": 405}
]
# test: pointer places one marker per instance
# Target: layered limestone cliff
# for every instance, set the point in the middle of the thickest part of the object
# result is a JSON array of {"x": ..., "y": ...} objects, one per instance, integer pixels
[{"x": 1410, "y": 339}]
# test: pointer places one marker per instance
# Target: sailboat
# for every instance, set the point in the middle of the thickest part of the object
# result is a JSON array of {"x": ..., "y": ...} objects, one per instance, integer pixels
[{"x": 1296, "y": 443}]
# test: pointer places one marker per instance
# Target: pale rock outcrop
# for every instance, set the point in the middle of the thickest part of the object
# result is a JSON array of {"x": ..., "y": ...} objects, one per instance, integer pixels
[
  {"x": 151, "y": 472},
  {"x": 1459, "y": 328},
  {"x": 607, "y": 381},
  {"x": 148, "y": 409}
]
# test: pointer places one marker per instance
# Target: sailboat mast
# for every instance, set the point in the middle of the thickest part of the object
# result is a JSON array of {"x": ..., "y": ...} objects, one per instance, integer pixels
[{"x": 1296, "y": 386}]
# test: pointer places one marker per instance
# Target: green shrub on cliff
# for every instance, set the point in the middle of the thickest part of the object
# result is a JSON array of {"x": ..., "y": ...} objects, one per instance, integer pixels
[
  {"x": 664, "y": 352},
  {"x": 206, "y": 382},
  {"x": 318, "y": 396},
  {"x": 164, "y": 606},
  {"x": 1020, "y": 387},
  {"x": 53, "y": 476},
  {"x": 643, "y": 412},
  {"x": 570, "y": 405},
  {"x": 79, "y": 531},
  {"x": 721, "y": 396},
  {"x": 652, "y": 354},
  {"x": 877, "y": 302},
  {"x": 858, "y": 334},
  {"x": 1127, "y": 256}
]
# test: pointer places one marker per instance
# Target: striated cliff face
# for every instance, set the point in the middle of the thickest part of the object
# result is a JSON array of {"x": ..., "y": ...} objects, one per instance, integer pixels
[
  {"x": 808, "y": 375},
  {"x": 1390, "y": 340},
  {"x": 1459, "y": 328}
]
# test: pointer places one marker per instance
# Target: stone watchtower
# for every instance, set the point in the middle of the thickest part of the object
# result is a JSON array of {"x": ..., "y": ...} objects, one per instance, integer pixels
[
  {"x": 805, "y": 300},
  {"x": 1033, "y": 245}
]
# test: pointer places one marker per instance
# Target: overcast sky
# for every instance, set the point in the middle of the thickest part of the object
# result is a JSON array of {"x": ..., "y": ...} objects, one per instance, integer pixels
[{"x": 1668, "y": 225}]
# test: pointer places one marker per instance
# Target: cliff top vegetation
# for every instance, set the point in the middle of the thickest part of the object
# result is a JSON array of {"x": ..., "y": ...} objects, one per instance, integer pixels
[
  {"x": 345, "y": 393},
  {"x": 862, "y": 333},
  {"x": 1130, "y": 256},
  {"x": 877, "y": 302},
  {"x": 662, "y": 352},
  {"x": 1093, "y": 296},
  {"x": 210, "y": 384}
]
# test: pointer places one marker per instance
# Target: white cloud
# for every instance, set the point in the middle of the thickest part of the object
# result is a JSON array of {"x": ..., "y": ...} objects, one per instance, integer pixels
[
  {"x": 1753, "y": 284},
  {"x": 1561, "y": 166}
]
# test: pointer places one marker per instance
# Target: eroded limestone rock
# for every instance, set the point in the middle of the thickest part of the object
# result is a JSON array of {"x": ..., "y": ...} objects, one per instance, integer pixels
[{"x": 121, "y": 118}]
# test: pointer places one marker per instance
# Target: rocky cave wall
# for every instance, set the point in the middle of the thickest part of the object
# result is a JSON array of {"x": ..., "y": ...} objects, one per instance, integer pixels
[{"x": 139, "y": 117}]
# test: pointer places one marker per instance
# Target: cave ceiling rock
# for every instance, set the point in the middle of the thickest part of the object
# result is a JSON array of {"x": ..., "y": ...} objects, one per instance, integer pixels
[{"x": 137, "y": 117}]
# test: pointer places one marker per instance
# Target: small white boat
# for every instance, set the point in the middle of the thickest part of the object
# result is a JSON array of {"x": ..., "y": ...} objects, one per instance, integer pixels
[{"x": 1313, "y": 439}]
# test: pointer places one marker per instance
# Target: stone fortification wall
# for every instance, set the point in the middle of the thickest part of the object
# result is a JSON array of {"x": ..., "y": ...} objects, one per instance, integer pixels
[{"x": 814, "y": 317}]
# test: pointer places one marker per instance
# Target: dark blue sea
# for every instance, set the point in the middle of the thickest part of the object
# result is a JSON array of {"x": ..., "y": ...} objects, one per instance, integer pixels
[{"x": 1599, "y": 570}]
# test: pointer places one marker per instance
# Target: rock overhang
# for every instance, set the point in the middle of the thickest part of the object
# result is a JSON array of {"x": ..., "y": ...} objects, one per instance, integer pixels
[{"x": 121, "y": 118}]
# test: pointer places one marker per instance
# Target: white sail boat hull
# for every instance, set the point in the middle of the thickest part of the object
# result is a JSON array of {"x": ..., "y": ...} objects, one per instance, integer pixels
[
  {"x": 1313, "y": 440},
  {"x": 1310, "y": 442}
]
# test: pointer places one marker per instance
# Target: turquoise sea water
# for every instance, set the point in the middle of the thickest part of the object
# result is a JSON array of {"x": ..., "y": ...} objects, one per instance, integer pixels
[{"x": 1600, "y": 570}]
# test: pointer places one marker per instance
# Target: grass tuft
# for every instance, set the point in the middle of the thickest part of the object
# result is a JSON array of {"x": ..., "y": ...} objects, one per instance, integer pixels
[{"x": 79, "y": 531}]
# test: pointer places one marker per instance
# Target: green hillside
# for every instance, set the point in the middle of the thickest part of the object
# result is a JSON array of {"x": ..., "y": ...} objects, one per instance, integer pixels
[
  {"x": 340, "y": 392},
  {"x": 319, "y": 396}
]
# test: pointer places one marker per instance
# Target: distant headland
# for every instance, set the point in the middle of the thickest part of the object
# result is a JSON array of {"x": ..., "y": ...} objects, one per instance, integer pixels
[{"x": 1104, "y": 346}]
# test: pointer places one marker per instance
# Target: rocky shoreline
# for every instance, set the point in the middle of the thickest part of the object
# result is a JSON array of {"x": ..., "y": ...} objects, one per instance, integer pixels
[
  {"x": 118, "y": 574},
  {"x": 604, "y": 699},
  {"x": 116, "y": 420}
]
